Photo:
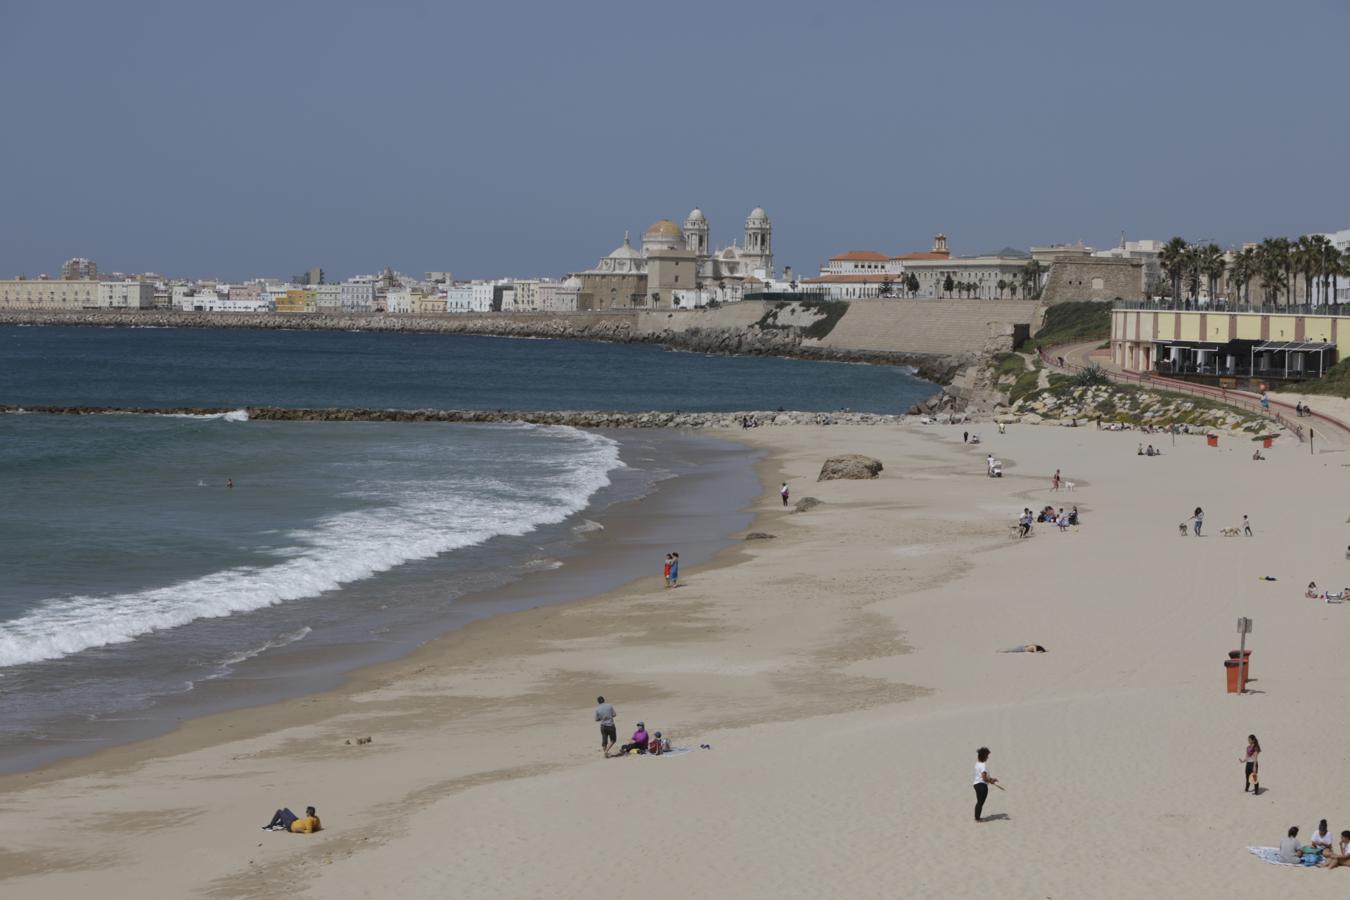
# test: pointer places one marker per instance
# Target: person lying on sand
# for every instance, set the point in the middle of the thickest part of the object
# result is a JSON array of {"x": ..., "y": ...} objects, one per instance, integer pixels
[
  {"x": 285, "y": 820},
  {"x": 1025, "y": 648},
  {"x": 1311, "y": 592}
]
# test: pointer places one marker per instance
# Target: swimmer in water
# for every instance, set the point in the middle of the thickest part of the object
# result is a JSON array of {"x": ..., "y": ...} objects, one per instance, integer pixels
[{"x": 229, "y": 483}]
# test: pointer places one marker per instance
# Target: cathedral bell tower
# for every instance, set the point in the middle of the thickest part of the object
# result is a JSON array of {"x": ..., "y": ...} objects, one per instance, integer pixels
[
  {"x": 758, "y": 251},
  {"x": 696, "y": 233}
]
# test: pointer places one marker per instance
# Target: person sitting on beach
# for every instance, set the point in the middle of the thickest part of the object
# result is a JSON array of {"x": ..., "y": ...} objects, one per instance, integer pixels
[
  {"x": 1311, "y": 592},
  {"x": 1257, "y": 454},
  {"x": 1332, "y": 859},
  {"x": 656, "y": 746},
  {"x": 285, "y": 820},
  {"x": 1290, "y": 851},
  {"x": 1151, "y": 452},
  {"x": 1141, "y": 450},
  {"x": 639, "y": 742},
  {"x": 1025, "y": 648},
  {"x": 1073, "y": 517},
  {"x": 1322, "y": 838}
]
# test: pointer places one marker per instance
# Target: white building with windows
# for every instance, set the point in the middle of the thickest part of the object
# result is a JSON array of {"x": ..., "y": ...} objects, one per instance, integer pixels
[
  {"x": 327, "y": 298},
  {"x": 483, "y": 292},
  {"x": 357, "y": 296},
  {"x": 399, "y": 300},
  {"x": 128, "y": 294}
]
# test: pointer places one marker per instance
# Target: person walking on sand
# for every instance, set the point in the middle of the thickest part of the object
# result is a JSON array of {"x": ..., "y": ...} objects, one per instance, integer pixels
[
  {"x": 674, "y": 570},
  {"x": 1054, "y": 482},
  {"x": 1199, "y": 521},
  {"x": 1246, "y": 525},
  {"x": 982, "y": 781},
  {"x": 665, "y": 570},
  {"x": 609, "y": 735},
  {"x": 784, "y": 492},
  {"x": 1252, "y": 760}
]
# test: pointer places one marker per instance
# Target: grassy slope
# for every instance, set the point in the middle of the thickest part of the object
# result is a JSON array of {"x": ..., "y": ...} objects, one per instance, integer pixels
[
  {"x": 1071, "y": 323},
  {"x": 1336, "y": 382}
]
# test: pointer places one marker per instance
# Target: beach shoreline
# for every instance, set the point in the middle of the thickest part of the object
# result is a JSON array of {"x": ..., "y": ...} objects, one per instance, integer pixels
[
  {"x": 842, "y": 673},
  {"x": 606, "y": 547}
]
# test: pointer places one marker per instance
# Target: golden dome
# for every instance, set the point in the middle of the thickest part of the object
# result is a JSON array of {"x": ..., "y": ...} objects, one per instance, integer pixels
[{"x": 664, "y": 228}]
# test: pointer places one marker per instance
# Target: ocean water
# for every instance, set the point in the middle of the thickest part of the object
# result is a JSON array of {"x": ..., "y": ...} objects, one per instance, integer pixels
[
  {"x": 137, "y": 586},
  {"x": 220, "y": 368}
]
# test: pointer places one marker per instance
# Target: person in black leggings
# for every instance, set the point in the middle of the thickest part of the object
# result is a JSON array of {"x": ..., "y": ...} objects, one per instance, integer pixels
[
  {"x": 1252, "y": 757},
  {"x": 982, "y": 780}
]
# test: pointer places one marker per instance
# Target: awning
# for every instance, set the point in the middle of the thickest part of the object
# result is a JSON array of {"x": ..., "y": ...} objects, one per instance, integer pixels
[{"x": 1293, "y": 346}]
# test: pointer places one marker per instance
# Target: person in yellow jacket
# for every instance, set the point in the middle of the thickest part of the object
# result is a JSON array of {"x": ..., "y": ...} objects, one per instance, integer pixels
[{"x": 285, "y": 820}]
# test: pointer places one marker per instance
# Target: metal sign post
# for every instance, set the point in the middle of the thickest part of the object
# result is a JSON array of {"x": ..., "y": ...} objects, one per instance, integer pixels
[{"x": 1244, "y": 627}]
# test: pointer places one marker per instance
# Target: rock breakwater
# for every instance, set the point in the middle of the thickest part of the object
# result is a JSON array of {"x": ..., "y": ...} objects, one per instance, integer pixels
[{"x": 575, "y": 419}]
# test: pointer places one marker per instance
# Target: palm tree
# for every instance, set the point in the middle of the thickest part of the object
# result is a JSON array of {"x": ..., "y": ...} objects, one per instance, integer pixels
[
  {"x": 1337, "y": 263},
  {"x": 1282, "y": 255},
  {"x": 1031, "y": 274},
  {"x": 1002, "y": 286},
  {"x": 1191, "y": 266},
  {"x": 1212, "y": 266},
  {"x": 948, "y": 284},
  {"x": 912, "y": 282},
  {"x": 1173, "y": 260},
  {"x": 1240, "y": 272},
  {"x": 1272, "y": 258},
  {"x": 1012, "y": 290}
]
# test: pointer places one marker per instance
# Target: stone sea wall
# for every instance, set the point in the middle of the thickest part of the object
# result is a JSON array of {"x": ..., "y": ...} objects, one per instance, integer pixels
[
  {"x": 576, "y": 419},
  {"x": 704, "y": 331}
]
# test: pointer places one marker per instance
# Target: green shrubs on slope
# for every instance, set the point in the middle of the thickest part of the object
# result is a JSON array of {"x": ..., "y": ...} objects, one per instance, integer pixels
[{"x": 1072, "y": 323}]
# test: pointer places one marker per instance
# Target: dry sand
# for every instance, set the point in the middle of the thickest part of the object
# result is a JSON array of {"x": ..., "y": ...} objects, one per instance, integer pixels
[{"x": 844, "y": 674}]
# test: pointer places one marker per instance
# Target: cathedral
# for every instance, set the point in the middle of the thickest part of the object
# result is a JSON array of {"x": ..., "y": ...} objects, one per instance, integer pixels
[{"x": 678, "y": 267}]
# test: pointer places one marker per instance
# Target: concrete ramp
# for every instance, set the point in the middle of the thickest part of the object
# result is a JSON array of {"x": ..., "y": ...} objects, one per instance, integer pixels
[{"x": 929, "y": 326}]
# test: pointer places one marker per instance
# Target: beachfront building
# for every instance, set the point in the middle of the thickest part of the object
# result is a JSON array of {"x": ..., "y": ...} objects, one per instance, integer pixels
[
  {"x": 867, "y": 274},
  {"x": 525, "y": 295},
  {"x": 129, "y": 294},
  {"x": 484, "y": 296},
  {"x": 558, "y": 296},
  {"x": 44, "y": 293},
  {"x": 357, "y": 296},
  {"x": 399, "y": 301},
  {"x": 296, "y": 300},
  {"x": 1228, "y": 348},
  {"x": 327, "y": 298}
]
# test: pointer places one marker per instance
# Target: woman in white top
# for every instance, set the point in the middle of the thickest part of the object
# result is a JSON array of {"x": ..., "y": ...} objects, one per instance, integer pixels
[{"x": 982, "y": 780}]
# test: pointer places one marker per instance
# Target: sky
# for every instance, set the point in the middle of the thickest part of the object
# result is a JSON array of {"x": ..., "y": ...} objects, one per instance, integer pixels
[{"x": 240, "y": 139}]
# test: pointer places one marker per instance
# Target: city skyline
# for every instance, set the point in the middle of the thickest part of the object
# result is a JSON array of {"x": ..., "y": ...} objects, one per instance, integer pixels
[{"x": 456, "y": 140}]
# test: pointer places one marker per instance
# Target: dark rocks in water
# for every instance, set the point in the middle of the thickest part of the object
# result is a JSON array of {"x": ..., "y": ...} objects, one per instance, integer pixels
[
  {"x": 806, "y": 503},
  {"x": 850, "y": 465},
  {"x": 760, "y": 536}
]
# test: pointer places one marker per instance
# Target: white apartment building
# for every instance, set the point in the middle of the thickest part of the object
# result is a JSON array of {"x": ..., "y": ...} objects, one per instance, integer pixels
[
  {"x": 357, "y": 296},
  {"x": 46, "y": 294},
  {"x": 126, "y": 295},
  {"x": 459, "y": 298},
  {"x": 861, "y": 262},
  {"x": 399, "y": 300},
  {"x": 482, "y": 295},
  {"x": 559, "y": 296}
]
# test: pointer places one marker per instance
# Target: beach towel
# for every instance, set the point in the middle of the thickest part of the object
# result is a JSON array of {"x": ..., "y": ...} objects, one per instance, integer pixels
[
  {"x": 1272, "y": 855},
  {"x": 674, "y": 751}
]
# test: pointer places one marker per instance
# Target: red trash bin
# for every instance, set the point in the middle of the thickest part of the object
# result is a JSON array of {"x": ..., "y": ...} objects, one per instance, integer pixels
[
  {"x": 1245, "y": 654},
  {"x": 1267, "y": 442},
  {"x": 1230, "y": 668},
  {"x": 1212, "y": 440}
]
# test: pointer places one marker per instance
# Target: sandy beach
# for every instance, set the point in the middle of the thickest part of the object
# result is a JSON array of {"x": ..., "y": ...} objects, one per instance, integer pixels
[{"x": 843, "y": 674}]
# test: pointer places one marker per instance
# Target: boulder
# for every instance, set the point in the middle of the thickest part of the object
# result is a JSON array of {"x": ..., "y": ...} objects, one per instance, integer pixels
[
  {"x": 806, "y": 503},
  {"x": 850, "y": 465},
  {"x": 760, "y": 536},
  {"x": 1031, "y": 419}
]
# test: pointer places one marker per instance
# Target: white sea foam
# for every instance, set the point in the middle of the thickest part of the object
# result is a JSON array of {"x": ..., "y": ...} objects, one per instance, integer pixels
[
  {"x": 234, "y": 415},
  {"x": 281, "y": 641},
  {"x": 417, "y": 524}
]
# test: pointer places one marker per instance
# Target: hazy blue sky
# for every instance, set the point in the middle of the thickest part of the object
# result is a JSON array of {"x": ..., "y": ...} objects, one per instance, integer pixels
[{"x": 519, "y": 138}]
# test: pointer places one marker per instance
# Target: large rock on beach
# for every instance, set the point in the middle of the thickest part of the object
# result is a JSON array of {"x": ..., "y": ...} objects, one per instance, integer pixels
[
  {"x": 806, "y": 503},
  {"x": 850, "y": 465}
]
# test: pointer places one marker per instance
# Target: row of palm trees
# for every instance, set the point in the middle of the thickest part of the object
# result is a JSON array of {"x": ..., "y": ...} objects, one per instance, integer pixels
[{"x": 1274, "y": 264}]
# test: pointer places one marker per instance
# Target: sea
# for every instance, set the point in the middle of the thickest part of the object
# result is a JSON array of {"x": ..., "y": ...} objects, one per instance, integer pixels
[{"x": 156, "y": 567}]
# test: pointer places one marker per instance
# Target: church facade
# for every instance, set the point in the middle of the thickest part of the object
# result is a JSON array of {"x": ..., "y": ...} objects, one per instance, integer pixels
[{"x": 679, "y": 267}]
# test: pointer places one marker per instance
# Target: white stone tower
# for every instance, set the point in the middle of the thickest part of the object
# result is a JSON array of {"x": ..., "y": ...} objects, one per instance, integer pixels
[
  {"x": 758, "y": 250},
  {"x": 696, "y": 233}
]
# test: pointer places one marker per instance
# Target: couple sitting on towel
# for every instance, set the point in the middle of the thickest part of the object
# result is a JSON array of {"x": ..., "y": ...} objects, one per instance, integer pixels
[{"x": 643, "y": 743}]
